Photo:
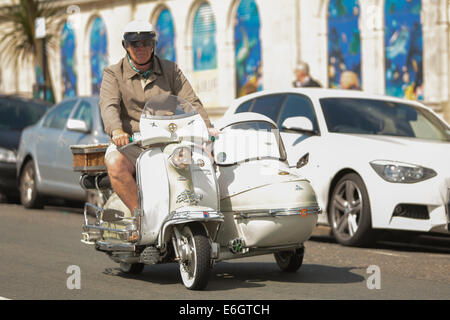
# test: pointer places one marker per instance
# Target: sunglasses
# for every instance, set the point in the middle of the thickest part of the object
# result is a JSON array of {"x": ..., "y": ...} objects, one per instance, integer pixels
[{"x": 141, "y": 43}]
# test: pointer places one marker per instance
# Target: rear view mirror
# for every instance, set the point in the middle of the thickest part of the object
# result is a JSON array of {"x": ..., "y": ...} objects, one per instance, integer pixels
[
  {"x": 78, "y": 125},
  {"x": 301, "y": 124}
]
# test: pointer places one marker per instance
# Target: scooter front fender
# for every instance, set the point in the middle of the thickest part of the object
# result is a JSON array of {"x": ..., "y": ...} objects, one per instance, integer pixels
[{"x": 210, "y": 219}]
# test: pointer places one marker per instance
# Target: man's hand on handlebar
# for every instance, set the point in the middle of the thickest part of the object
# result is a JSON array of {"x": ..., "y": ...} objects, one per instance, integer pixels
[
  {"x": 213, "y": 132},
  {"x": 120, "y": 137}
]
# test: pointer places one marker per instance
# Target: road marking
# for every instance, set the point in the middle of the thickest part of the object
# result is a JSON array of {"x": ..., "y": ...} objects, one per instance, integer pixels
[
  {"x": 3, "y": 298},
  {"x": 389, "y": 254}
]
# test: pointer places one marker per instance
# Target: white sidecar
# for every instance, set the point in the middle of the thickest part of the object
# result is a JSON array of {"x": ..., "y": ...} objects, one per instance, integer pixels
[{"x": 266, "y": 207}]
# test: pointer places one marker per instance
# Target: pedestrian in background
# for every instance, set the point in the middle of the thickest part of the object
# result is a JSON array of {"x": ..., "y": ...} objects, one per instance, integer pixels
[
  {"x": 349, "y": 81},
  {"x": 303, "y": 78}
]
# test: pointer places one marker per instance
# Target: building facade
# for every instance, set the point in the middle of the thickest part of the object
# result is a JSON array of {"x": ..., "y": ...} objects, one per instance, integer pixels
[{"x": 228, "y": 48}]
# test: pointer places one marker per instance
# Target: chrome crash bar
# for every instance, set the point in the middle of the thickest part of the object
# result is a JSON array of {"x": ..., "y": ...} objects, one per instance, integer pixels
[{"x": 97, "y": 226}]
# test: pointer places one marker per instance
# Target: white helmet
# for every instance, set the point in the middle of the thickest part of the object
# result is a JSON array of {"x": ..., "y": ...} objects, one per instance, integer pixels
[{"x": 139, "y": 30}]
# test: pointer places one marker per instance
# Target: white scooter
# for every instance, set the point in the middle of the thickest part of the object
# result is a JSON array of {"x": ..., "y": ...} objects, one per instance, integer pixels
[{"x": 261, "y": 208}]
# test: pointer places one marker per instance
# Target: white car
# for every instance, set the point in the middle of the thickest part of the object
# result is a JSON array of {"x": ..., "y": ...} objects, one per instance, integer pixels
[{"x": 375, "y": 162}]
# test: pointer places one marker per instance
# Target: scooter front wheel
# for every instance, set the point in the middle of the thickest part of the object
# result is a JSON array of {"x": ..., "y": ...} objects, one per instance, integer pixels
[{"x": 195, "y": 257}]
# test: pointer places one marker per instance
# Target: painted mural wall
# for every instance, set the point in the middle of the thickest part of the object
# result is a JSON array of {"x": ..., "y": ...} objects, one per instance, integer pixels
[
  {"x": 204, "y": 54},
  {"x": 247, "y": 44},
  {"x": 403, "y": 49},
  {"x": 344, "y": 44},
  {"x": 68, "y": 63},
  {"x": 165, "y": 48},
  {"x": 98, "y": 53}
]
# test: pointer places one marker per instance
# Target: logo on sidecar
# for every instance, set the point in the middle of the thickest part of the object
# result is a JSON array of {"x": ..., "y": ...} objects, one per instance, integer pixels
[
  {"x": 189, "y": 197},
  {"x": 304, "y": 212}
]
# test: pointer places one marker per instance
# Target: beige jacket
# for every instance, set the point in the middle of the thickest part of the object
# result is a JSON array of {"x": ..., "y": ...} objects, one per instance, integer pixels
[{"x": 122, "y": 96}]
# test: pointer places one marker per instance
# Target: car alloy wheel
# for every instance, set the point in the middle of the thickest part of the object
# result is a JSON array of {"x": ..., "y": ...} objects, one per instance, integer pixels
[
  {"x": 27, "y": 187},
  {"x": 349, "y": 211}
]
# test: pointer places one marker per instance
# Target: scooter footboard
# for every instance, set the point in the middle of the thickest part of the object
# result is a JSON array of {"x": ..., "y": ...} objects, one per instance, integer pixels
[{"x": 269, "y": 228}]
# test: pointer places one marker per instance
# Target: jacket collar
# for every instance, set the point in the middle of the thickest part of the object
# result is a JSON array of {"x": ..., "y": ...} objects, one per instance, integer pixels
[{"x": 130, "y": 73}]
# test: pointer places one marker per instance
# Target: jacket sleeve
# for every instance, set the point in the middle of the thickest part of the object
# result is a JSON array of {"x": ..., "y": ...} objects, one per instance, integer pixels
[
  {"x": 110, "y": 98},
  {"x": 183, "y": 89}
]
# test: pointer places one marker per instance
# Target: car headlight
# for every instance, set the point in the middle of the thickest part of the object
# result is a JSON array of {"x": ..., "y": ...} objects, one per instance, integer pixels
[
  {"x": 400, "y": 172},
  {"x": 7, "y": 156}
]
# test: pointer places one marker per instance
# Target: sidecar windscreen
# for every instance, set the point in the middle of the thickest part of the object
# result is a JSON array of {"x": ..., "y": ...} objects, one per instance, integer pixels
[
  {"x": 248, "y": 141},
  {"x": 166, "y": 106}
]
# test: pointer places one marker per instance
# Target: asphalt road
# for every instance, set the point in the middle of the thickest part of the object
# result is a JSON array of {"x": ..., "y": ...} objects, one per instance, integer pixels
[{"x": 38, "y": 248}]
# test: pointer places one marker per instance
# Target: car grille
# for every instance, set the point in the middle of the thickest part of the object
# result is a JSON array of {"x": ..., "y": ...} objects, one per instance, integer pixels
[{"x": 412, "y": 211}]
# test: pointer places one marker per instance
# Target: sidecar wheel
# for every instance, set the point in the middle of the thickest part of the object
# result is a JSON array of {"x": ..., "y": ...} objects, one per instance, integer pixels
[
  {"x": 195, "y": 266},
  {"x": 131, "y": 268},
  {"x": 290, "y": 261}
]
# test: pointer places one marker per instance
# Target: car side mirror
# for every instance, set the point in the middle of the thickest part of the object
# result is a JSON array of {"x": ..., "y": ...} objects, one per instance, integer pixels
[
  {"x": 300, "y": 124},
  {"x": 78, "y": 125}
]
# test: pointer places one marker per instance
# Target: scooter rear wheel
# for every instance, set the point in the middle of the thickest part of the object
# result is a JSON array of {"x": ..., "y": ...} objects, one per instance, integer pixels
[
  {"x": 196, "y": 262},
  {"x": 131, "y": 268}
]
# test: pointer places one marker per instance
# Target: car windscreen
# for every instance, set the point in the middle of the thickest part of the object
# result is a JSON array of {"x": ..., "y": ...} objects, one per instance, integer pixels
[
  {"x": 379, "y": 117},
  {"x": 16, "y": 114}
]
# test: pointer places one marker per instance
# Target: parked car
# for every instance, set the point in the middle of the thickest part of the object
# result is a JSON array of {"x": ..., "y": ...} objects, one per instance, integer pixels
[
  {"x": 375, "y": 162},
  {"x": 45, "y": 160},
  {"x": 16, "y": 113}
]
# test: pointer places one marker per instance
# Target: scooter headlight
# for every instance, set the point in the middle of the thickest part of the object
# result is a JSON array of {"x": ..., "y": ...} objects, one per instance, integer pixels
[
  {"x": 181, "y": 157},
  {"x": 399, "y": 172}
]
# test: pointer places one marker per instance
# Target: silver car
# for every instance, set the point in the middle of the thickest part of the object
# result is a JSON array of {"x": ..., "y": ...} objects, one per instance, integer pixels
[{"x": 44, "y": 159}]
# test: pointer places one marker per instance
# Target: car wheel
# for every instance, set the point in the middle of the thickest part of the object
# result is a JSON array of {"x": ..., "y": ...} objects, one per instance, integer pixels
[
  {"x": 349, "y": 212},
  {"x": 27, "y": 186}
]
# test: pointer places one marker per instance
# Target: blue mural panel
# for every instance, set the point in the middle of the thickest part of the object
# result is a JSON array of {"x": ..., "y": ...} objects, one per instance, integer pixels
[
  {"x": 204, "y": 39},
  {"x": 98, "y": 53},
  {"x": 344, "y": 45},
  {"x": 68, "y": 65},
  {"x": 247, "y": 48},
  {"x": 166, "y": 36},
  {"x": 403, "y": 49}
]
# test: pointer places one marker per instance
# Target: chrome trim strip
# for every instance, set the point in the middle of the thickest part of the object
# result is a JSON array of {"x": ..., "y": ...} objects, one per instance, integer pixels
[
  {"x": 248, "y": 214},
  {"x": 194, "y": 215}
]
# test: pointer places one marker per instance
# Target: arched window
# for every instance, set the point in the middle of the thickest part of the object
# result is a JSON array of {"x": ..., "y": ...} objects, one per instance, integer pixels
[
  {"x": 403, "y": 49},
  {"x": 166, "y": 36},
  {"x": 98, "y": 53},
  {"x": 247, "y": 48},
  {"x": 344, "y": 46},
  {"x": 204, "y": 39},
  {"x": 68, "y": 65}
]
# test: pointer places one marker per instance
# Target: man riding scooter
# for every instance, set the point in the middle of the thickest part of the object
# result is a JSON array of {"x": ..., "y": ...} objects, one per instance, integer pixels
[{"x": 126, "y": 87}]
